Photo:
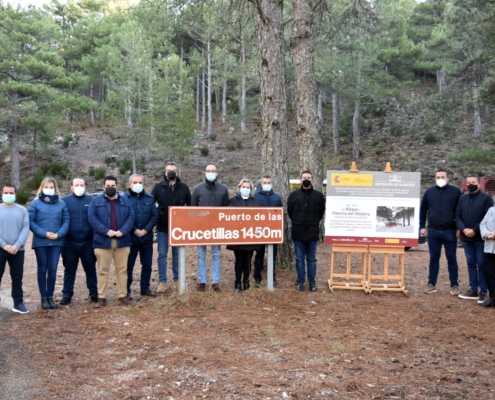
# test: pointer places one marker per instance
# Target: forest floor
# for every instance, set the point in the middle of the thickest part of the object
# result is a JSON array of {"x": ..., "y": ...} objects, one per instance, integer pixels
[{"x": 253, "y": 345}]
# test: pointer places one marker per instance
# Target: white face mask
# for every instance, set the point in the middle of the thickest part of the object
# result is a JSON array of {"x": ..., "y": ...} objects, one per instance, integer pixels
[
  {"x": 441, "y": 182},
  {"x": 79, "y": 191},
  {"x": 267, "y": 188},
  {"x": 48, "y": 192},
  {"x": 137, "y": 188}
]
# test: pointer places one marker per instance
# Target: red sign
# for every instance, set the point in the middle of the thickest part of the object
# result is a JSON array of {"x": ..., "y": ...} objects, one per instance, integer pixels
[{"x": 205, "y": 226}]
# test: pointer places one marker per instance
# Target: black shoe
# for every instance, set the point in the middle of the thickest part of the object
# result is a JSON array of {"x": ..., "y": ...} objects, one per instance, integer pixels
[
  {"x": 65, "y": 301},
  {"x": 488, "y": 303},
  {"x": 300, "y": 287},
  {"x": 238, "y": 288},
  {"x": 52, "y": 304},
  {"x": 246, "y": 285},
  {"x": 257, "y": 284},
  {"x": 148, "y": 293},
  {"x": 312, "y": 287},
  {"x": 94, "y": 298},
  {"x": 45, "y": 305}
]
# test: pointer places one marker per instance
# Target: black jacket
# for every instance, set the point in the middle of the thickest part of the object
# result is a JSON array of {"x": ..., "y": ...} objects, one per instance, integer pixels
[
  {"x": 471, "y": 210},
  {"x": 439, "y": 206},
  {"x": 166, "y": 197},
  {"x": 238, "y": 201},
  {"x": 210, "y": 194},
  {"x": 306, "y": 209}
]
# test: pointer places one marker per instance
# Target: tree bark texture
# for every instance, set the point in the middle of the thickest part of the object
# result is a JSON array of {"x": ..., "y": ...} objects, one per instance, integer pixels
[
  {"x": 273, "y": 101},
  {"x": 305, "y": 91},
  {"x": 476, "y": 109},
  {"x": 208, "y": 69},
  {"x": 197, "y": 97},
  {"x": 242, "y": 97},
  {"x": 335, "y": 116},
  {"x": 356, "y": 135}
]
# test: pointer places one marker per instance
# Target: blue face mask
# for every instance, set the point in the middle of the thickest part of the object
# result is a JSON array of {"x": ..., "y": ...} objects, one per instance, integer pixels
[
  {"x": 245, "y": 192},
  {"x": 8, "y": 198},
  {"x": 137, "y": 188},
  {"x": 210, "y": 176},
  {"x": 267, "y": 188}
]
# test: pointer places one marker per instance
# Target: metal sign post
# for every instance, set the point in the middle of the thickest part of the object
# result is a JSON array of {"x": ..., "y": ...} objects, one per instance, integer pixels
[{"x": 269, "y": 269}]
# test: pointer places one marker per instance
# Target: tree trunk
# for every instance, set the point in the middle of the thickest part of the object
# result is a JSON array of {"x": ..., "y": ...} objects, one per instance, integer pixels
[
  {"x": 203, "y": 114},
  {"x": 197, "y": 97},
  {"x": 274, "y": 131},
  {"x": 92, "y": 112},
  {"x": 306, "y": 92},
  {"x": 356, "y": 145},
  {"x": 15, "y": 170},
  {"x": 224, "y": 102},
  {"x": 477, "y": 116},
  {"x": 320, "y": 105},
  {"x": 210, "y": 111},
  {"x": 242, "y": 97},
  {"x": 440, "y": 80},
  {"x": 34, "y": 151},
  {"x": 217, "y": 98},
  {"x": 335, "y": 116}
]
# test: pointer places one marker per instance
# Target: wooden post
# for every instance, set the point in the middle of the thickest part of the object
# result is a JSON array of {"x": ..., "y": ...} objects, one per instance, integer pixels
[{"x": 349, "y": 249}]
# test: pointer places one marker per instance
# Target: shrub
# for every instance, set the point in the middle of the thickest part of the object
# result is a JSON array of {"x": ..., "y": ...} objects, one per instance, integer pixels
[
  {"x": 447, "y": 128},
  {"x": 238, "y": 143},
  {"x": 396, "y": 129},
  {"x": 482, "y": 156},
  {"x": 204, "y": 150},
  {"x": 231, "y": 146},
  {"x": 375, "y": 142},
  {"x": 431, "y": 137},
  {"x": 378, "y": 151},
  {"x": 22, "y": 196},
  {"x": 100, "y": 173},
  {"x": 91, "y": 171},
  {"x": 213, "y": 137},
  {"x": 66, "y": 141},
  {"x": 126, "y": 165},
  {"x": 83, "y": 127},
  {"x": 57, "y": 169}
]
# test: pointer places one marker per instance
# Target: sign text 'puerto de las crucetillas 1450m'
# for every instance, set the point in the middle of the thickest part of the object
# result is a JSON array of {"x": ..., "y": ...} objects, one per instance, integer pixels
[
  {"x": 205, "y": 226},
  {"x": 373, "y": 208}
]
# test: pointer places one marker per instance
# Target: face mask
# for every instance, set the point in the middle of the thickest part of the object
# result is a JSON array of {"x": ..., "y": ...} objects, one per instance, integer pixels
[
  {"x": 79, "y": 191},
  {"x": 49, "y": 192},
  {"x": 210, "y": 176},
  {"x": 245, "y": 192},
  {"x": 8, "y": 198},
  {"x": 267, "y": 188},
  {"x": 137, "y": 188},
  {"x": 472, "y": 188},
  {"x": 172, "y": 175},
  {"x": 110, "y": 191},
  {"x": 441, "y": 182},
  {"x": 306, "y": 183}
]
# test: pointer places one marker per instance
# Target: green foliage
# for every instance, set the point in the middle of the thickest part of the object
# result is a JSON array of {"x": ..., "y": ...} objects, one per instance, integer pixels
[
  {"x": 431, "y": 138},
  {"x": 34, "y": 182},
  {"x": 238, "y": 143},
  {"x": 378, "y": 151},
  {"x": 375, "y": 142},
  {"x": 231, "y": 146},
  {"x": 22, "y": 195},
  {"x": 56, "y": 169},
  {"x": 204, "y": 150},
  {"x": 213, "y": 137},
  {"x": 396, "y": 129},
  {"x": 447, "y": 128},
  {"x": 91, "y": 171},
  {"x": 100, "y": 173},
  {"x": 483, "y": 156},
  {"x": 66, "y": 141},
  {"x": 125, "y": 166}
]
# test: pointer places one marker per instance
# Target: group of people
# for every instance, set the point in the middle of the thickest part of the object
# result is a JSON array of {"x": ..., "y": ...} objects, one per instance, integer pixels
[
  {"x": 116, "y": 226},
  {"x": 470, "y": 216}
]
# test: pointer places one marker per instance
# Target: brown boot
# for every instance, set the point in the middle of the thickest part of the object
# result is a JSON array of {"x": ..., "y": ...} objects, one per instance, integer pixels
[{"x": 101, "y": 303}]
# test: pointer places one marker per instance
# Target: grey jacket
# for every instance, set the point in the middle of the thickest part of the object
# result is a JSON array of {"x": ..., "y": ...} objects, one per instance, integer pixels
[{"x": 487, "y": 226}]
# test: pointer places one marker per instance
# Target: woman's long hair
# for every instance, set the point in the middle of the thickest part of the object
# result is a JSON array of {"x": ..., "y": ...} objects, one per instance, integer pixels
[{"x": 48, "y": 179}]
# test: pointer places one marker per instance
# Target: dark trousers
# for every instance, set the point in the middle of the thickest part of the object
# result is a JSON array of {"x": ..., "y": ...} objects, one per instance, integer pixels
[
  {"x": 259, "y": 261},
  {"x": 242, "y": 265},
  {"x": 47, "y": 258},
  {"x": 71, "y": 254},
  {"x": 16, "y": 264},
  {"x": 145, "y": 251},
  {"x": 436, "y": 239},
  {"x": 489, "y": 272}
]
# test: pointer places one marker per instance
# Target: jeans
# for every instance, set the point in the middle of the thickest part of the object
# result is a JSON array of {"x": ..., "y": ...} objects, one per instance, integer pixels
[
  {"x": 16, "y": 264},
  {"x": 447, "y": 238},
  {"x": 162, "y": 258},
  {"x": 475, "y": 255},
  {"x": 489, "y": 272},
  {"x": 215, "y": 264},
  {"x": 71, "y": 254},
  {"x": 259, "y": 261},
  {"x": 47, "y": 258},
  {"x": 145, "y": 251},
  {"x": 306, "y": 252}
]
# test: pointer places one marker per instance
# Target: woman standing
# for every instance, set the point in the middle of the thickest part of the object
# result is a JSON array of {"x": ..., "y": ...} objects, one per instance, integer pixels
[
  {"x": 49, "y": 222},
  {"x": 487, "y": 230},
  {"x": 243, "y": 253}
]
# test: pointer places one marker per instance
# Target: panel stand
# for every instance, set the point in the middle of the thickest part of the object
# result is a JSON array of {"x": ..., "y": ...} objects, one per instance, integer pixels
[
  {"x": 182, "y": 270},
  {"x": 393, "y": 283},
  {"x": 349, "y": 249},
  {"x": 269, "y": 269}
]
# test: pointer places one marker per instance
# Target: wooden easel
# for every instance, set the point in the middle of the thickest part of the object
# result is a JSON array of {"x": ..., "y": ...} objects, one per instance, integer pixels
[
  {"x": 349, "y": 249},
  {"x": 393, "y": 283}
]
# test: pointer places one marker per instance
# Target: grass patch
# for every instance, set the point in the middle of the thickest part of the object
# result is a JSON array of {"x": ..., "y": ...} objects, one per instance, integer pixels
[
  {"x": 431, "y": 137},
  {"x": 204, "y": 150},
  {"x": 99, "y": 173},
  {"x": 477, "y": 155}
]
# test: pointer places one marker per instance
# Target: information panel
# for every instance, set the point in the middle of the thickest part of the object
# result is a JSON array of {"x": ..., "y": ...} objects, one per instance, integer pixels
[
  {"x": 205, "y": 226},
  {"x": 372, "y": 208}
]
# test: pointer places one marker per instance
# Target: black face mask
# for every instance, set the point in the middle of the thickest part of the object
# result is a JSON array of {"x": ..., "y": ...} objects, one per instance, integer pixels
[
  {"x": 110, "y": 191},
  {"x": 172, "y": 175},
  {"x": 472, "y": 188},
  {"x": 306, "y": 183}
]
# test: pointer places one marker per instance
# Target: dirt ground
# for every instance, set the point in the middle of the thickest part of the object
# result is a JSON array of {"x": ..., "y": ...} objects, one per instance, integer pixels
[{"x": 253, "y": 345}]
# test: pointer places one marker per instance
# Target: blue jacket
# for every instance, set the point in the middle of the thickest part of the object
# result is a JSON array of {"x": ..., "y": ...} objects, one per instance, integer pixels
[
  {"x": 80, "y": 231},
  {"x": 99, "y": 219},
  {"x": 268, "y": 199},
  {"x": 145, "y": 215},
  {"x": 48, "y": 217}
]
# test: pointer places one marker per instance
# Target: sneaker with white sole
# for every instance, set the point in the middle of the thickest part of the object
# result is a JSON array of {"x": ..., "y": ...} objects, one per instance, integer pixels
[
  {"x": 430, "y": 288},
  {"x": 454, "y": 290},
  {"x": 20, "y": 308},
  {"x": 470, "y": 295}
]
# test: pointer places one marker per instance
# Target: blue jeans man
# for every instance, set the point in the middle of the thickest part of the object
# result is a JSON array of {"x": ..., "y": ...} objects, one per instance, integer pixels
[
  {"x": 71, "y": 254},
  {"x": 446, "y": 238},
  {"x": 306, "y": 254},
  {"x": 215, "y": 267},
  {"x": 162, "y": 258},
  {"x": 475, "y": 256}
]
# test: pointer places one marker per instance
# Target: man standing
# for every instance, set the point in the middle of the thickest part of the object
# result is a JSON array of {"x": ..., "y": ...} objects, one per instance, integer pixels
[
  {"x": 112, "y": 218},
  {"x": 78, "y": 243},
  {"x": 267, "y": 198},
  {"x": 145, "y": 217},
  {"x": 209, "y": 193},
  {"x": 470, "y": 212},
  {"x": 169, "y": 192},
  {"x": 306, "y": 207},
  {"x": 439, "y": 205},
  {"x": 14, "y": 231}
]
